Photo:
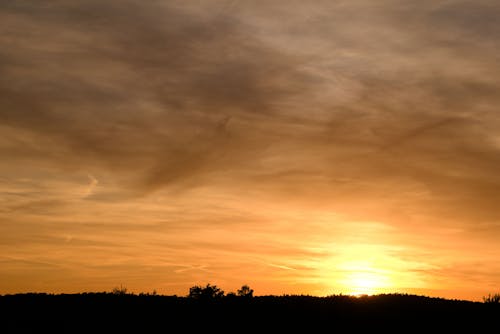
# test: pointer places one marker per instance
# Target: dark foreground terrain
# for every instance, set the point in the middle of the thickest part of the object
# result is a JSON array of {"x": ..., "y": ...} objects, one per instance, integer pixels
[{"x": 113, "y": 313}]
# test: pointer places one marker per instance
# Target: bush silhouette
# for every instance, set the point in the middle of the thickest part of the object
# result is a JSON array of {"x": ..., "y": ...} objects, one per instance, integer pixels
[
  {"x": 205, "y": 293},
  {"x": 492, "y": 299},
  {"x": 245, "y": 291},
  {"x": 119, "y": 290}
]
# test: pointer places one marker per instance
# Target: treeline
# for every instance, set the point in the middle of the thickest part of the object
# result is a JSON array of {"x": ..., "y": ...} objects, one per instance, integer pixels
[{"x": 208, "y": 309}]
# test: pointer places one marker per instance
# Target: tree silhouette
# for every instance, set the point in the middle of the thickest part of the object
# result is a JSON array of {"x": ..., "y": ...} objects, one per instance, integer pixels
[
  {"x": 205, "y": 293},
  {"x": 492, "y": 299},
  {"x": 119, "y": 290},
  {"x": 231, "y": 295},
  {"x": 245, "y": 291}
]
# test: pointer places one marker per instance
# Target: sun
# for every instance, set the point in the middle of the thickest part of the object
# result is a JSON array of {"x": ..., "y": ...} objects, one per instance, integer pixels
[
  {"x": 365, "y": 283},
  {"x": 363, "y": 279}
]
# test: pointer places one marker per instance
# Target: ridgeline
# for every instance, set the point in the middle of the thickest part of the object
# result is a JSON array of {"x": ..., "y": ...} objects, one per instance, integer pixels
[{"x": 119, "y": 312}]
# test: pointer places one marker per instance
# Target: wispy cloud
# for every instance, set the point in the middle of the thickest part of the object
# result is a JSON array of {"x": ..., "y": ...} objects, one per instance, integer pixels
[{"x": 183, "y": 116}]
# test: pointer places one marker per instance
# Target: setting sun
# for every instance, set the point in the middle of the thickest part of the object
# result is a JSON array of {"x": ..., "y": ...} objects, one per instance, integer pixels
[
  {"x": 365, "y": 283},
  {"x": 361, "y": 278}
]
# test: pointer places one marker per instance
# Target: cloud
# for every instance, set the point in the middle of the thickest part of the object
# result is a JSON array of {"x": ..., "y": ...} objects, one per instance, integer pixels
[
  {"x": 93, "y": 182},
  {"x": 141, "y": 89},
  {"x": 171, "y": 95},
  {"x": 381, "y": 111}
]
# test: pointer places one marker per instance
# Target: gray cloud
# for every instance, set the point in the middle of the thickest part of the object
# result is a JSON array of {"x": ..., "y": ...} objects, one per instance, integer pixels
[
  {"x": 138, "y": 87},
  {"x": 163, "y": 93}
]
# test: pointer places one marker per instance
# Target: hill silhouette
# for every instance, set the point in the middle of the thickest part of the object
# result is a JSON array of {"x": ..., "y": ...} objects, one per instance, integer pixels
[{"x": 119, "y": 312}]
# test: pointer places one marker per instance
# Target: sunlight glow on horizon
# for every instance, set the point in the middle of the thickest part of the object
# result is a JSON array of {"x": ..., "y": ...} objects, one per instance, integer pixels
[
  {"x": 362, "y": 277},
  {"x": 365, "y": 283}
]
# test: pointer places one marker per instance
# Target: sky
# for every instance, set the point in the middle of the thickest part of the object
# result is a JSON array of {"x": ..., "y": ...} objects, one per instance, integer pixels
[{"x": 300, "y": 147}]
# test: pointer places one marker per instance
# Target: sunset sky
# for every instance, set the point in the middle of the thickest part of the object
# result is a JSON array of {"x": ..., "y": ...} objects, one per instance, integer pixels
[{"x": 299, "y": 147}]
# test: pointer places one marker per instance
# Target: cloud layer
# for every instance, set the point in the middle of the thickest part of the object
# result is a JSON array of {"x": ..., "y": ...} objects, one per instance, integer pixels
[{"x": 169, "y": 118}]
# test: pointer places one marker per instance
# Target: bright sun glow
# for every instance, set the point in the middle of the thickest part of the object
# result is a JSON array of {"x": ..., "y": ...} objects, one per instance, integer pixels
[
  {"x": 363, "y": 279},
  {"x": 365, "y": 283}
]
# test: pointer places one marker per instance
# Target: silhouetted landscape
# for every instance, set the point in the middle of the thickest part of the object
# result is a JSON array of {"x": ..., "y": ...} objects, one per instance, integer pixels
[{"x": 209, "y": 309}]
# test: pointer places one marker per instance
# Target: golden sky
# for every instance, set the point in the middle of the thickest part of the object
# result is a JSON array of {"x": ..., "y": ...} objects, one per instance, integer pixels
[{"x": 312, "y": 147}]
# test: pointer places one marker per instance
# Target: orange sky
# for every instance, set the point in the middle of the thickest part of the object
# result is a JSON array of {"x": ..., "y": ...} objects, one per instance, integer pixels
[{"x": 311, "y": 147}]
